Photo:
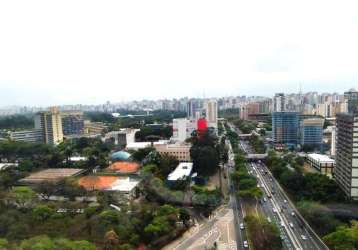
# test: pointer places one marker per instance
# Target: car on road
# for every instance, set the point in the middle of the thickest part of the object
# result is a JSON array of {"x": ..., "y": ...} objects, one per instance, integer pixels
[
  {"x": 242, "y": 226},
  {"x": 282, "y": 224},
  {"x": 269, "y": 219},
  {"x": 265, "y": 199},
  {"x": 285, "y": 201},
  {"x": 274, "y": 210},
  {"x": 303, "y": 237},
  {"x": 291, "y": 224},
  {"x": 246, "y": 245},
  {"x": 293, "y": 214}
]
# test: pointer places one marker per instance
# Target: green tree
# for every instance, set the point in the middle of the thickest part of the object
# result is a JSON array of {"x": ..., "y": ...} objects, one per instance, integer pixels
[
  {"x": 42, "y": 212},
  {"x": 262, "y": 234},
  {"x": 205, "y": 159},
  {"x": 4, "y": 244},
  {"x": 344, "y": 238},
  {"x": 22, "y": 196}
]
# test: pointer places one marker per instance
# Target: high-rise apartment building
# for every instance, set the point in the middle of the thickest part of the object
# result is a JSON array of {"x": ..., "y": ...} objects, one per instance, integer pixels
[
  {"x": 346, "y": 172},
  {"x": 211, "y": 113},
  {"x": 50, "y": 123},
  {"x": 285, "y": 128},
  {"x": 193, "y": 107},
  {"x": 312, "y": 132},
  {"x": 352, "y": 99},
  {"x": 279, "y": 102}
]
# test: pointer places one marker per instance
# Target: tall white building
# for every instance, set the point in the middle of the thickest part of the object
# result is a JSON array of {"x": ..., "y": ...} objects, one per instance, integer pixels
[
  {"x": 333, "y": 142},
  {"x": 279, "y": 102},
  {"x": 211, "y": 113},
  {"x": 182, "y": 129}
]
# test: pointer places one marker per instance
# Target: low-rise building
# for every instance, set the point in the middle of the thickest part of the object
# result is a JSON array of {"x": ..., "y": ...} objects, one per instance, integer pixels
[
  {"x": 140, "y": 145},
  {"x": 124, "y": 167},
  {"x": 321, "y": 163},
  {"x": 181, "y": 172},
  {"x": 94, "y": 128},
  {"x": 122, "y": 137},
  {"x": 123, "y": 185},
  {"x": 181, "y": 151},
  {"x": 33, "y": 135},
  {"x": 52, "y": 175}
]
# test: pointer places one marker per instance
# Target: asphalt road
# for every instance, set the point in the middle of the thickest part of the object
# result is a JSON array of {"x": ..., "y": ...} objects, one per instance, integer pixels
[
  {"x": 235, "y": 204},
  {"x": 277, "y": 206}
]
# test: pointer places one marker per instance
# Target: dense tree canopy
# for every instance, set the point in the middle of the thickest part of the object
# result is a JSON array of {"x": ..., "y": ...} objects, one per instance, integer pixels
[
  {"x": 345, "y": 238},
  {"x": 266, "y": 235},
  {"x": 205, "y": 154},
  {"x": 15, "y": 122}
]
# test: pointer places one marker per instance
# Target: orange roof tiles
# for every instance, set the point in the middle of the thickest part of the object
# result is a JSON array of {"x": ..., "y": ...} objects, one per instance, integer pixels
[
  {"x": 124, "y": 167},
  {"x": 97, "y": 182}
]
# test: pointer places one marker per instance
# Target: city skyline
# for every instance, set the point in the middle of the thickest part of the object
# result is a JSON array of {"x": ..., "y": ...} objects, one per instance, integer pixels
[{"x": 121, "y": 52}]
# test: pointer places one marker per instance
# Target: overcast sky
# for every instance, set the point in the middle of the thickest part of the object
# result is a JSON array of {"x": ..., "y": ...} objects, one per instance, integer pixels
[{"x": 92, "y": 51}]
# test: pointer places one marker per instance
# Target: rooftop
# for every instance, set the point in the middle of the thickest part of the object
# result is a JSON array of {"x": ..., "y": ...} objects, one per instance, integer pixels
[
  {"x": 140, "y": 145},
  {"x": 183, "y": 170},
  {"x": 52, "y": 175},
  {"x": 7, "y": 165},
  {"x": 321, "y": 158},
  {"x": 120, "y": 156},
  {"x": 78, "y": 158},
  {"x": 108, "y": 183},
  {"x": 124, "y": 167}
]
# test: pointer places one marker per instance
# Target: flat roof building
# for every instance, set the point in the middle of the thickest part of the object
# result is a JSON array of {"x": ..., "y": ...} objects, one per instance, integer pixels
[
  {"x": 52, "y": 175},
  {"x": 33, "y": 135},
  {"x": 322, "y": 163},
  {"x": 124, "y": 167},
  {"x": 124, "y": 185},
  {"x": 181, "y": 151},
  {"x": 182, "y": 171}
]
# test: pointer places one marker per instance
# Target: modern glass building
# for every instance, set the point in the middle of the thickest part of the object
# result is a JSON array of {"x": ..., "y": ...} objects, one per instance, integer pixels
[
  {"x": 285, "y": 128},
  {"x": 312, "y": 132}
]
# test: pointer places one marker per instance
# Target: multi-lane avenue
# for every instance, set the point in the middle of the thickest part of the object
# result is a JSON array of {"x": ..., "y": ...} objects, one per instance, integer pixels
[{"x": 277, "y": 207}]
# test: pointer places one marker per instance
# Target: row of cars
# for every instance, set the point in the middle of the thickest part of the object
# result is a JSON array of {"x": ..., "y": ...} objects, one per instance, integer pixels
[{"x": 245, "y": 243}]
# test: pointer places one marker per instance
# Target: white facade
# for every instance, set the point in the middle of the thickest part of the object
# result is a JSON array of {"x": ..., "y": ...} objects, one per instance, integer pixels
[
  {"x": 124, "y": 136},
  {"x": 211, "y": 113},
  {"x": 333, "y": 142},
  {"x": 182, "y": 129},
  {"x": 145, "y": 144},
  {"x": 279, "y": 103}
]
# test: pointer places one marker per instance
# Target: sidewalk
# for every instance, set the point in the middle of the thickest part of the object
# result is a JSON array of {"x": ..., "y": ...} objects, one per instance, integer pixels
[{"x": 195, "y": 229}]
